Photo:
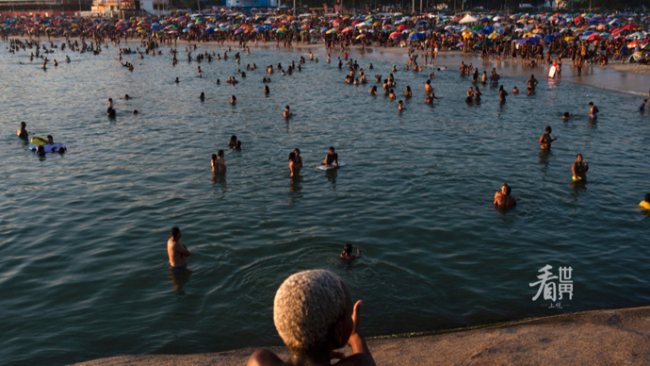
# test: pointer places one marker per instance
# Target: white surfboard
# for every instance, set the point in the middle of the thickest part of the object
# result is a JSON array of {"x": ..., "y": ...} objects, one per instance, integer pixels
[
  {"x": 323, "y": 167},
  {"x": 551, "y": 72}
]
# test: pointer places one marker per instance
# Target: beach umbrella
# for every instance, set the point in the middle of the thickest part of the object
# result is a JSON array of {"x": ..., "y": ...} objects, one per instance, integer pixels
[
  {"x": 332, "y": 31},
  {"x": 460, "y": 44},
  {"x": 348, "y": 29},
  {"x": 395, "y": 35},
  {"x": 480, "y": 44},
  {"x": 594, "y": 37},
  {"x": 634, "y": 44},
  {"x": 415, "y": 36},
  {"x": 402, "y": 27},
  {"x": 549, "y": 38}
]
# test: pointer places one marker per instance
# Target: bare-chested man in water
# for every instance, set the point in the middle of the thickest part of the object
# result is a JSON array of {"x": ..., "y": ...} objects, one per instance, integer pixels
[{"x": 177, "y": 251}]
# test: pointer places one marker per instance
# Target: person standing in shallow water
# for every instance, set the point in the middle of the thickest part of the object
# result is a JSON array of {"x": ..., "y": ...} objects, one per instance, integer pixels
[
  {"x": 579, "y": 169},
  {"x": 545, "y": 141},
  {"x": 177, "y": 251},
  {"x": 22, "y": 131},
  {"x": 503, "y": 198},
  {"x": 218, "y": 162}
]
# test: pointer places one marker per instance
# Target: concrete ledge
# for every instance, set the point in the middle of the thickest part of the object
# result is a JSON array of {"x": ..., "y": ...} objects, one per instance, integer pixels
[{"x": 600, "y": 337}]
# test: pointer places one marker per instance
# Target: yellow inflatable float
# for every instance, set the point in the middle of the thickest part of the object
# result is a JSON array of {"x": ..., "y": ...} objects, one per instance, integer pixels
[{"x": 39, "y": 140}]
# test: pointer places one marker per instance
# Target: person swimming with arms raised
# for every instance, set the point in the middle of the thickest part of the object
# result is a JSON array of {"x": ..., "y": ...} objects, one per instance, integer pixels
[
  {"x": 332, "y": 159},
  {"x": 177, "y": 251},
  {"x": 503, "y": 198},
  {"x": 545, "y": 141},
  {"x": 579, "y": 169}
]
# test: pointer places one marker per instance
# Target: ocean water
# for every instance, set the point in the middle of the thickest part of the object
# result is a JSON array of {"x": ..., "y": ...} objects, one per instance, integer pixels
[{"x": 83, "y": 263}]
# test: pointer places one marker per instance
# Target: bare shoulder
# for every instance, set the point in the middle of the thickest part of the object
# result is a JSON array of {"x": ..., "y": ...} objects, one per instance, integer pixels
[{"x": 264, "y": 357}]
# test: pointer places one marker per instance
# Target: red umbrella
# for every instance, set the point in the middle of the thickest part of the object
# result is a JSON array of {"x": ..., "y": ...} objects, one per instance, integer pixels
[
  {"x": 634, "y": 44},
  {"x": 395, "y": 35},
  {"x": 616, "y": 31},
  {"x": 594, "y": 37},
  {"x": 402, "y": 27}
]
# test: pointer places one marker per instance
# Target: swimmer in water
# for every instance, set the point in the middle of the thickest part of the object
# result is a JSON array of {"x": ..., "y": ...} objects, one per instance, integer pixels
[
  {"x": 567, "y": 116},
  {"x": 642, "y": 107},
  {"x": 408, "y": 93},
  {"x": 332, "y": 159},
  {"x": 391, "y": 95},
  {"x": 202, "y": 96},
  {"x": 593, "y": 111},
  {"x": 579, "y": 169},
  {"x": 218, "y": 82},
  {"x": 373, "y": 90},
  {"x": 470, "y": 95},
  {"x": 503, "y": 198},
  {"x": 298, "y": 159},
  {"x": 400, "y": 106},
  {"x": 515, "y": 91},
  {"x": 177, "y": 251},
  {"x": 347, "y": 253},
  {"x": 292, "y": 165},
  {"x": 267, "y": 91},
  {"x": 233, "y": 142},
  {"x": 22, "y": 131},
  {"x": 40, "y": 151},
  {"x": 135, "y": 111},
  {"x": 126, "y": 97},
  {"x": 502, "y": 94},
  {"x": 287, "y": 112},
  {"x": 176, "y": 81},
  {"x": 233, "y": 100},
  {"x": 545, "y": 141},
  {"x": 218, "y": 162},
  {"x": 428, "y": 89}
]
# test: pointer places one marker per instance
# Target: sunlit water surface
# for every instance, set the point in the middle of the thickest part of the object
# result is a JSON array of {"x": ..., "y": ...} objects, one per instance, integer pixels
[{"x": 83, "y": 236}]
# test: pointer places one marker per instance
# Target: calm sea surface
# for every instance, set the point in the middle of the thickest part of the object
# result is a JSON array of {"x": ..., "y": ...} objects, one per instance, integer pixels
[{"x": 83, "y": 236}]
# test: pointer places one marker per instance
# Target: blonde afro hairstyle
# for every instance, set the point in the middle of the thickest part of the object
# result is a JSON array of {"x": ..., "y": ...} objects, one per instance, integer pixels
[{"x": 306, "y": 306}]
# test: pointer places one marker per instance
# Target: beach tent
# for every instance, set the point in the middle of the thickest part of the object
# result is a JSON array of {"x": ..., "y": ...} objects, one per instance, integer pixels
[{"x": 468, "y": 19}]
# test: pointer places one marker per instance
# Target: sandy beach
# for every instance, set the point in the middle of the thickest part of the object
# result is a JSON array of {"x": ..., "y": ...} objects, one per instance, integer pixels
[{"x": 601, "y": 337}]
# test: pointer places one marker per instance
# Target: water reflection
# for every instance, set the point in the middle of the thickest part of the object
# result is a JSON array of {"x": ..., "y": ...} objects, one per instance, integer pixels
[
  {"x": 295, "y": 183},
  {"x": 331, "y": 175},
  {"x": 179, "y": 279},
  {"x": 578, "y": 187},
  {"x": 544, "y": 154}
]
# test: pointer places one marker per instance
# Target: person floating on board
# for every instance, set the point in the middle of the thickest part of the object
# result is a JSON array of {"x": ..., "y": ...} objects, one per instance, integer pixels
[{"x": 332, "y": 159}]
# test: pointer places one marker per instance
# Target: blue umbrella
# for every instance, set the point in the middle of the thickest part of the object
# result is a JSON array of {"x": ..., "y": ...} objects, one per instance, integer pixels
[
  {"x": 549, "y": 38},
  {"x": 422, "y": 22},
  {"x": 415, "y": 36}
]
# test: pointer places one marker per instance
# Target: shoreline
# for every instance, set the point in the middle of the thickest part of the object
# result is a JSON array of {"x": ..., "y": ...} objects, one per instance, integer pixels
[
  {"x": 640, "y": 71},
  {"x": 595, "y": 337}
]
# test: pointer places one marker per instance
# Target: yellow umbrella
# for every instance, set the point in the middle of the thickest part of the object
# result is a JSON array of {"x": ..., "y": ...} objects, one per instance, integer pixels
[
  {"x": 331, "y": 31},
  {"x": 528, "y": 34},
  {"x": 467, "y": 35},
  {"x": 376, "y": 24},
  {"x": 538, "y": 31},
  {"x": 569, "y": 38}
]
